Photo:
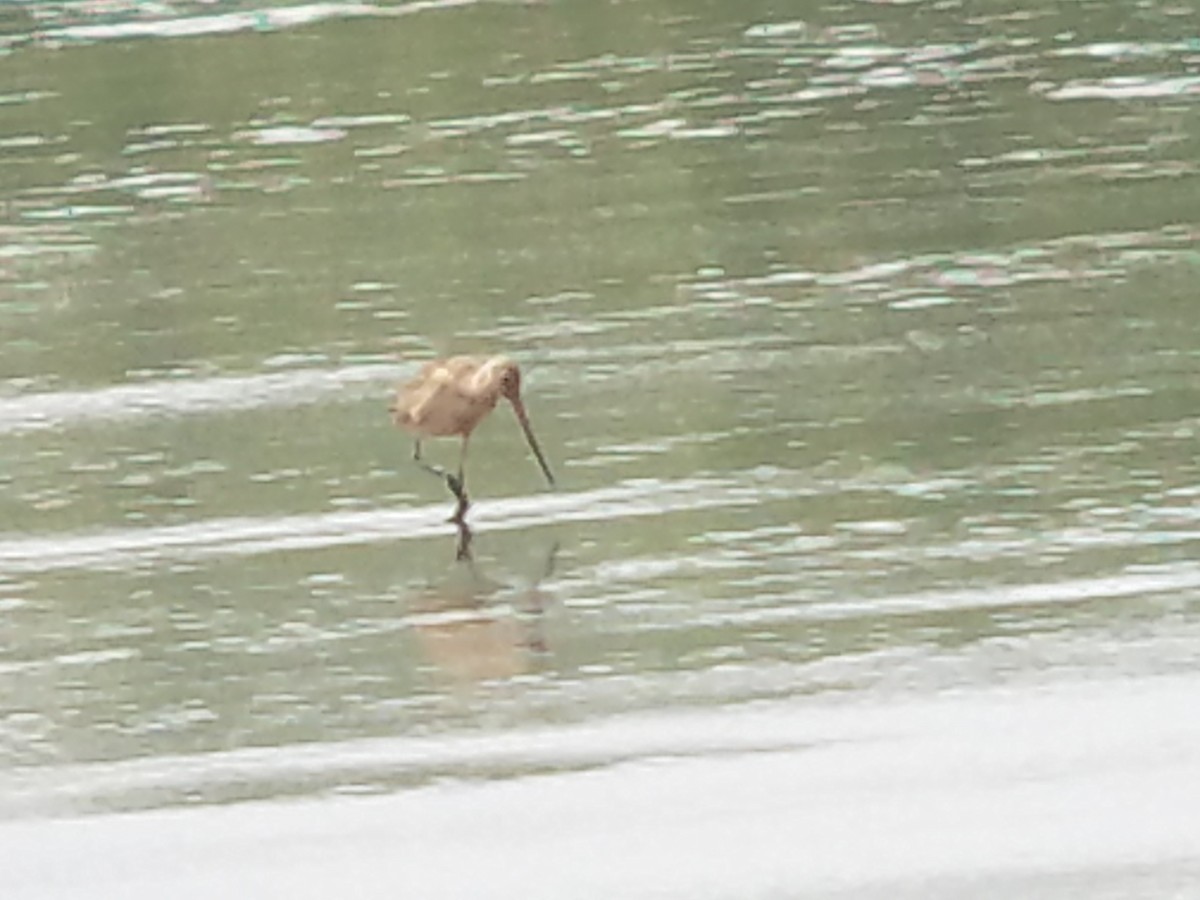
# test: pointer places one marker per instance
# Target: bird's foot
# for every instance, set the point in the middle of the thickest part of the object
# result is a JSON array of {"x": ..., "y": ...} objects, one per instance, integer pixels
[
  {"x": 455, "y": 483},
  {"x": 462, "y": 549},
  {"x": 459, "y": 516}
]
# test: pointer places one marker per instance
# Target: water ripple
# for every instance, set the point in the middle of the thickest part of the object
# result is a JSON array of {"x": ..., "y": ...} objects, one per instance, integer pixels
[
  {"x": 262, "y": 19},
  {"x": 1125, "y": 88}
]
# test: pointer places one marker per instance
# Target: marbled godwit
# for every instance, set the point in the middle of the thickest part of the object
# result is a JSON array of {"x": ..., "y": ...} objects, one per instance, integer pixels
[{"x": 449, "y": 398}]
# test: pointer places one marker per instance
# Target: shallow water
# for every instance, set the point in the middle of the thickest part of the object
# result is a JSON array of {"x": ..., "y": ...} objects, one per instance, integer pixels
[{"x": 861, "y": 339}]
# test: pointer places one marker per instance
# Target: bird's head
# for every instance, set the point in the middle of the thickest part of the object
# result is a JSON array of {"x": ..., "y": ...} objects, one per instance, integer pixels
[
  {"x": 504, "y": 377},
  {"x": 508, "y": 379}
]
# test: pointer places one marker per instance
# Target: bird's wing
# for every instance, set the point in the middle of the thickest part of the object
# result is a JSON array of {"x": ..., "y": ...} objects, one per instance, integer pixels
[{"x": 434, "y": 401}]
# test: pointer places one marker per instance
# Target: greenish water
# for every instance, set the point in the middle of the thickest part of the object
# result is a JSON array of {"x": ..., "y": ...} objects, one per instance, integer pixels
[{"x": 862, "y": 339}]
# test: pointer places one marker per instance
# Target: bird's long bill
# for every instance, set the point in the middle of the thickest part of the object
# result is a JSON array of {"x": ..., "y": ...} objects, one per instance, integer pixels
[{"x": 523, "y": 418}]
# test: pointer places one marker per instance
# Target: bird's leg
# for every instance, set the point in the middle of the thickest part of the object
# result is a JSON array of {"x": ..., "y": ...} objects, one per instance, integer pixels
[
  {"x": 428, "y": 467},
  {"x": 458, "y": 485},
  {"x": 454, "y": 482}
]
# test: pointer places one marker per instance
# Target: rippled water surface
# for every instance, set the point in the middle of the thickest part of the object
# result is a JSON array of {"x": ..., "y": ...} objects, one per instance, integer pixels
[{"x": 863, "y": 339}]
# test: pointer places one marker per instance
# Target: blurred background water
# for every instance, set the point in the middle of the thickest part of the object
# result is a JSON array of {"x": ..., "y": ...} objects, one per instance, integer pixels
[{"x": 863, "y": 338}]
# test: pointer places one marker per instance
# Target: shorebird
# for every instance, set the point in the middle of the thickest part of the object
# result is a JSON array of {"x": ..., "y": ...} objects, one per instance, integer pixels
[{"x": 449, "y": 398}]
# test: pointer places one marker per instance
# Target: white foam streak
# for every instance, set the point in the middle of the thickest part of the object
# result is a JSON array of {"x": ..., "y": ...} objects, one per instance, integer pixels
[{"x": 58, "y": 409}]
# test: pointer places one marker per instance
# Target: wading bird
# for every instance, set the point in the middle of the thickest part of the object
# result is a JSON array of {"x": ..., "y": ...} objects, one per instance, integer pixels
[{"x": 449, "y": 398}]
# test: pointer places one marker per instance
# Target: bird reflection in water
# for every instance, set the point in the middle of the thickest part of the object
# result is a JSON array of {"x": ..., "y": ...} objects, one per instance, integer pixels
[{"x": 475, "y": 629}]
